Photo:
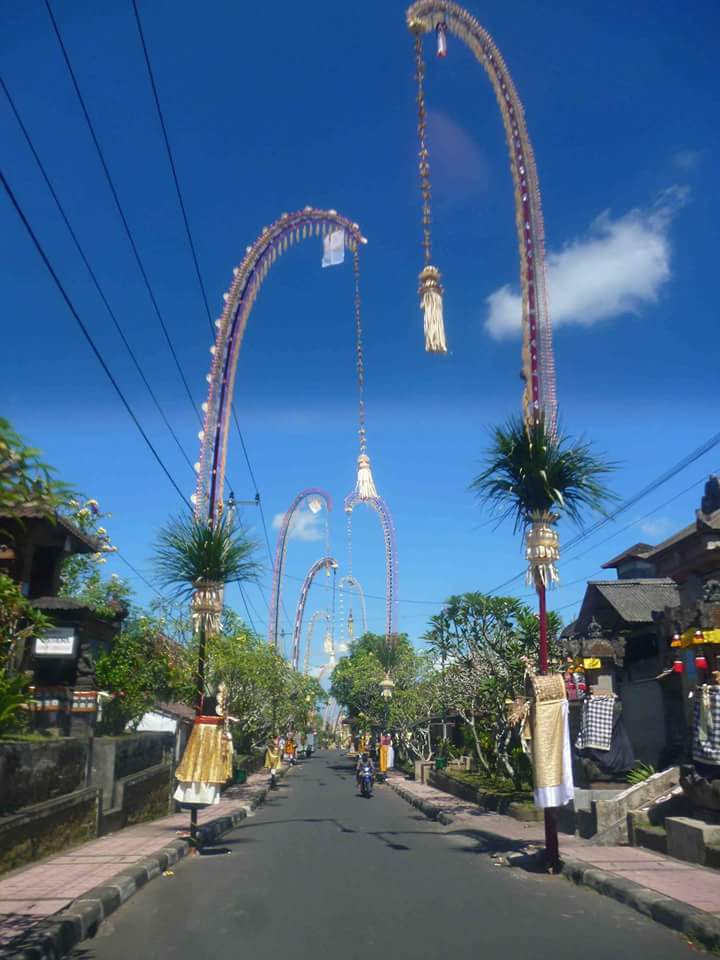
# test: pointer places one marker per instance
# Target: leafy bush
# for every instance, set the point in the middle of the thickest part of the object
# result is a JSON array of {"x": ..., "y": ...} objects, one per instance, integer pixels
[{"x": 640, "y": 773}]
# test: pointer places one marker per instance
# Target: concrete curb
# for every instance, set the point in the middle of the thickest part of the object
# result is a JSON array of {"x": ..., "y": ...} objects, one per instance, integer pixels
[
  {"x": 53, "y": 937},
  {"x": 701, "y": 926}
]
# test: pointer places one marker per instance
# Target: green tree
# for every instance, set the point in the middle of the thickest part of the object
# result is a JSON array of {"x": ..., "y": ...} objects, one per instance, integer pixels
[
  {"x": 488, "y": 644},
  {"x": 25, "y": 480},
  {"x": 140, "y": 671},
  {"x": 355, "y": 681},
  {"x": 81, "y": 574}
]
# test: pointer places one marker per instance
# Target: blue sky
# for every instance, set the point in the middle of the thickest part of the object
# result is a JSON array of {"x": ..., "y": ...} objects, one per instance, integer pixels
[{"x": 271, "y": 107}]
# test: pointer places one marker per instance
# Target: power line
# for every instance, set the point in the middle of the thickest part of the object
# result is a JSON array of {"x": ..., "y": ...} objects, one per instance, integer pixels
[
  {"x": 92, "y": 273},
  {"x": 700, "y": 451},
  {"x": 673, "y": 471},
  {"x": 88, "y": 337},
  {"x": 120, "y": 210},
  {"x": 139, "y": 575},
  {"x": 247, "y": 609},
  {"x": 178, "y": 191},
  {"x": 195, "y": 259}
]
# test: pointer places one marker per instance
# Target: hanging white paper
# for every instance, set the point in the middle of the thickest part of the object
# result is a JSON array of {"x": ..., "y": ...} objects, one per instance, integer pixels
[{"x": 333, "y": 248}]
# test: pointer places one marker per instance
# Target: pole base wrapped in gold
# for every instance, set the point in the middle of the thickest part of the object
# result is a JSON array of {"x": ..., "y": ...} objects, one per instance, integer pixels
[{"x": 207, "y": 763}]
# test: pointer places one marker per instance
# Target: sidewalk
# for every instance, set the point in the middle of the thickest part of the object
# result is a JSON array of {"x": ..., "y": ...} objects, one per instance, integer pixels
[
  {"x": 54, "y": 904},
  {"x": 680, "y": 895}
]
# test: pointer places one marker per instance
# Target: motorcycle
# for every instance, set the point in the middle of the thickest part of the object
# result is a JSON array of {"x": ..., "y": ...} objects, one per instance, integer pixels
[{"x": 366, "y": 781}]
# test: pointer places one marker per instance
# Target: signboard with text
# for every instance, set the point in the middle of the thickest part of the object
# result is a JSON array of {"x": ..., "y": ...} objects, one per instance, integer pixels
[{"x": 56, "y": 642}]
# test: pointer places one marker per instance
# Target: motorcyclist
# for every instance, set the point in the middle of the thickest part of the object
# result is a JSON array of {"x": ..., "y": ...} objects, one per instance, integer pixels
[{"x": 364, "y": 761}]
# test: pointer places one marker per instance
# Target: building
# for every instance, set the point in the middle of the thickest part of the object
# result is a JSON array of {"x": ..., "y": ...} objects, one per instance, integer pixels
[
  {"x": 32, "y": 550},
  {"x": 658, "y": 591}
]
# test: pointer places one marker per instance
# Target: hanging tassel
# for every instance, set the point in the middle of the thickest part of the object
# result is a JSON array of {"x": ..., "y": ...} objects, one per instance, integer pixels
[
  {"x": 365, "y": 484},
  {"x": 430, "y": 292},
  {"x": 441, "y": 31}
]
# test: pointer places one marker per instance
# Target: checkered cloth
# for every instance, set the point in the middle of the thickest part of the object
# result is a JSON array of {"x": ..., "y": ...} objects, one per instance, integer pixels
[
  {"x": 597, "y": 723},
  {"x": 706, "y": 725}
]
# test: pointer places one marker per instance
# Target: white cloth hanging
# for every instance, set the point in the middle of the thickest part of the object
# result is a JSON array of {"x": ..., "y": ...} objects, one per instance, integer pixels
[
  {"x": 333, "y": 248},
  {"x": 559, "y": 794}
]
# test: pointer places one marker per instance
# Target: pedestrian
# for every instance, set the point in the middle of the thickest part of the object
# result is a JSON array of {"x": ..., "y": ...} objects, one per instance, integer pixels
[{"x": 272, "y": 761}]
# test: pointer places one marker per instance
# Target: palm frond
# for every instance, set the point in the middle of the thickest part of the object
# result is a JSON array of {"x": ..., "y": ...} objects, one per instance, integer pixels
[
  {"x": 534, "y": 470},
  {"x": 190, "y": 550}
]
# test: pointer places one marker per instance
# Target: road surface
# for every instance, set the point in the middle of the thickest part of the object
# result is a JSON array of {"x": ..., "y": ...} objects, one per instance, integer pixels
[{"x": 320, "y": 873}]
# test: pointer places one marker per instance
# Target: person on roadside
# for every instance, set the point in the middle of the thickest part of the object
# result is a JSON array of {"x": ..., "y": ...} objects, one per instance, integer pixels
[{"x": 272, "y": 762}]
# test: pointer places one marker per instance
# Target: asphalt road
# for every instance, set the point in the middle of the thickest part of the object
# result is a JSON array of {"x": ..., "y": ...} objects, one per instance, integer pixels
[{"x": 319, "y": 873}]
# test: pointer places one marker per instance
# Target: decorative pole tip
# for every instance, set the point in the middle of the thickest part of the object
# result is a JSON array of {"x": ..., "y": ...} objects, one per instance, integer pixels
[{"x": 431, "y": 291}]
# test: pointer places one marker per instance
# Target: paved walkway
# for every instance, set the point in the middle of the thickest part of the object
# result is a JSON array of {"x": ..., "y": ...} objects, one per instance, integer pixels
[
  {"x": 42, "y": 889},
  {"x": 696, "y": 886}
]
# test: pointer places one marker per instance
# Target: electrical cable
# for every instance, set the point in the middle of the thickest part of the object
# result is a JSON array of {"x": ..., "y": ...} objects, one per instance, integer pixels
[
  {"x": 193, "y": 251},
  {"x": 92, "y": 273},
  {"x": 120, "y": 210},
  {"x": 88, "y": 337},
  {"x": 673, "y": 471}
]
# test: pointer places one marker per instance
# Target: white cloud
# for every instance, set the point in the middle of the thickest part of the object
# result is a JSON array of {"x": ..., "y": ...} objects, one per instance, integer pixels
[
  {"x": 656, "y": 527},
  {"x": 619, "y": 266},
  {"x": 687, "y": 159},
  {"x": 303, "y": 526}
]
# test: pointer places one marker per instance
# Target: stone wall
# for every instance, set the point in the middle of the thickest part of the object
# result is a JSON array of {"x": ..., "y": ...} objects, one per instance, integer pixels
[
  {"x": 46, "y": 828},
  {"x": 31, "y": 773},
  {"x": 139, "y": 751},
  {"x": 116, "y": 758},
  {"x": 146, "y": 795}
]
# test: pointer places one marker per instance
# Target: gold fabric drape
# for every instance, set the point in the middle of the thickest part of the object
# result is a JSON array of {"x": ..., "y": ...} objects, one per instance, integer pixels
[{"x": 208, "y": 756}]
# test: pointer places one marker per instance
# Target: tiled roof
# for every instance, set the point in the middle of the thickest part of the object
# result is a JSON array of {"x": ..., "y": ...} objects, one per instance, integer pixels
[
  {"x": 91, "y": 544},
  {"x": 58, "y": 603},
  {"x": 181, "y": 710},
  {"x": 637, "y": 550},
  {"x": 634, "y": 600}
]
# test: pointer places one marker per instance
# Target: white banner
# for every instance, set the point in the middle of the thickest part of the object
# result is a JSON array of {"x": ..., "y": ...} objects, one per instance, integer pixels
[{"x": 333, "y": 248}]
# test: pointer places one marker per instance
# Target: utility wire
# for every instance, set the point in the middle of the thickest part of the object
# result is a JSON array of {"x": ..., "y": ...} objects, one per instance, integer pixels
[
  {"x": 92, "y": 273},
  {"x": 178, "y": 191},
  {"x": 673, "y": 471},
  {"x": 247, "y": 609},
  {"x": 193, "y": 253},
  {"x": 120, "y": 210},
  {"x": 88, "y": 337}
]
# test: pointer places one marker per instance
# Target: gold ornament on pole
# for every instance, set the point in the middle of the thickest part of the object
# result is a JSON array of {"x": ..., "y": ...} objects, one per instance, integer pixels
[
  {"x": 206, "y": 606},
  {"x": 430, "y": 289},
  {"x": 542, "y": 550},
  {"x": 387, "y": 686}
]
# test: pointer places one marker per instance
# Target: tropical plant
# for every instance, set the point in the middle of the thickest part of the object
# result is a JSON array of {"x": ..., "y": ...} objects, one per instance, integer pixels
[
  {"x": 14, "y": 698},
  {"x": 533, "y": 470},
  {"x": 640, "y": 773},
  {"x": 25, "y": 480},
  {"x": 191, "y": 551},
  {"x": 483, "y": 646},
  {"x": 19, "y": 622}
]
